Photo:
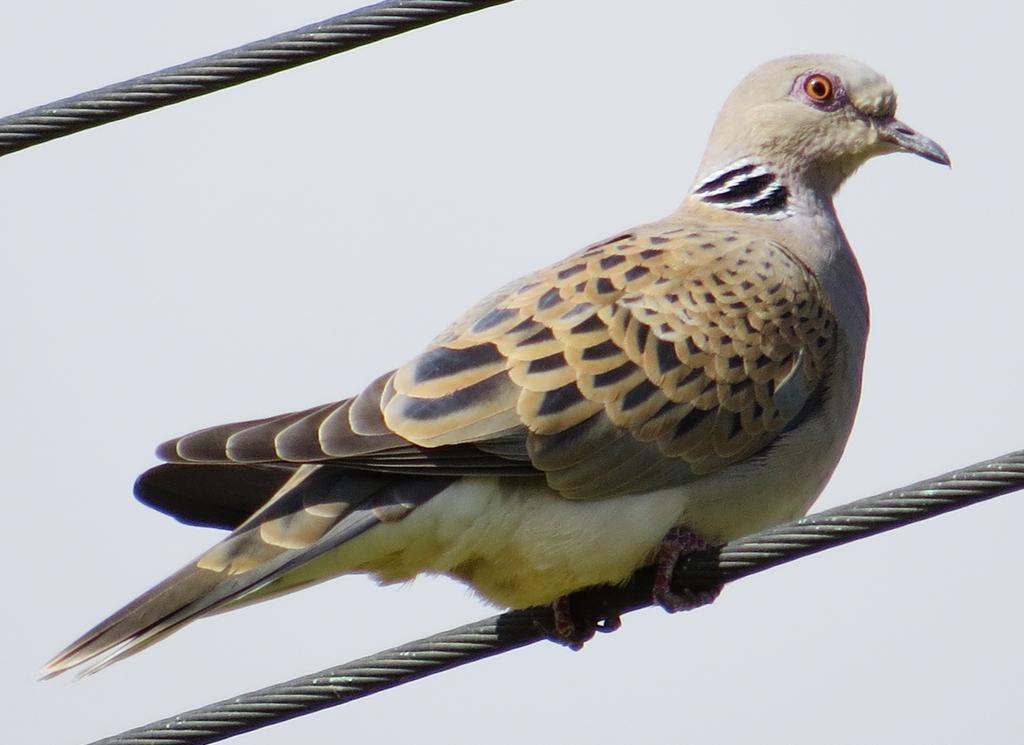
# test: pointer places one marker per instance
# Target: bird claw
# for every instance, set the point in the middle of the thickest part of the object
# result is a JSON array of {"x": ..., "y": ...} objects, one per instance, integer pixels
[
  {"x": 573, "y": 632},
  {"x": 574, "y": 629},
  {"x": 674, "y": 602},
  {"x": 677, "y": 544}
]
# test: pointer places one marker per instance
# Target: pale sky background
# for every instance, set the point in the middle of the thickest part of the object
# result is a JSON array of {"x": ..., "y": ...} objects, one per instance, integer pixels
[{"x": 196, "y": 265}]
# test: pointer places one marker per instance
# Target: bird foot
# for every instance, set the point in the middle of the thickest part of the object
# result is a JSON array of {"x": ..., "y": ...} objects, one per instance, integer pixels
[
  {"x": 573, "y": 632},
  {"x": 573, "y": 628},
  {"x": 677, "y": 544}
]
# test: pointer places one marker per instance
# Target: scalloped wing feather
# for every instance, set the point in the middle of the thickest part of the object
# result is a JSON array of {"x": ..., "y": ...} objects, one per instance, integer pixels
[{"x": 640, "y": 362}]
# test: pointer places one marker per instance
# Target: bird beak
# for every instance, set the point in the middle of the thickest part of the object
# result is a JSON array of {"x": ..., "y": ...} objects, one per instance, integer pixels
[{"x": 907, "y": 140}]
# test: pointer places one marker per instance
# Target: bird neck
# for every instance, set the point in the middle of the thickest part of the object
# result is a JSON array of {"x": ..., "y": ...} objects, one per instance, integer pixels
[
  {"x": 745, "y": 187},
  {"x": 756, "y": 187}
]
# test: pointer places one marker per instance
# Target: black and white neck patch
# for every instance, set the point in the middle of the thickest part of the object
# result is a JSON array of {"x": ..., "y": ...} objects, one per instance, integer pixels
[{"x": 748, "y": 188}]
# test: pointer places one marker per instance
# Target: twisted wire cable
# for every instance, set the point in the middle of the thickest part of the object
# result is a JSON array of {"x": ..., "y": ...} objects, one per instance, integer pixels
[
  {"x": 225, "y": 69},
  {"x": 515, "y": 629}
]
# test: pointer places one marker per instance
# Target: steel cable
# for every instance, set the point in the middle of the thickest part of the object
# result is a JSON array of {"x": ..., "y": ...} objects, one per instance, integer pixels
[
  {"x": 225, "y": 69},
  {"x": 515, "y": 629}
]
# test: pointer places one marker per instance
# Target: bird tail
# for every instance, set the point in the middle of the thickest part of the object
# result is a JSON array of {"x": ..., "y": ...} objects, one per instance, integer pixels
[{"x": 316, "y": 510}]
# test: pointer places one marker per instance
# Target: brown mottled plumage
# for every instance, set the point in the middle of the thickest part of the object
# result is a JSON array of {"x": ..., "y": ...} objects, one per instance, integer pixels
[{"x": 700, "y": 343}]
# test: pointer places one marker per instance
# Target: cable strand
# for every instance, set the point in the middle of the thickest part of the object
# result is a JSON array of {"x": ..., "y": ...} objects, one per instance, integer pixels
[{"x": 224, "y": 69}]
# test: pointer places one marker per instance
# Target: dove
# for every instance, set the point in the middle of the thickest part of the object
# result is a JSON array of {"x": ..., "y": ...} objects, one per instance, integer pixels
[{"x": 679, "y": 385}]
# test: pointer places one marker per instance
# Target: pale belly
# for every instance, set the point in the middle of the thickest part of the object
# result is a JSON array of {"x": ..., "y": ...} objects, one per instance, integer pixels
[{"x": 517, "y": 543}]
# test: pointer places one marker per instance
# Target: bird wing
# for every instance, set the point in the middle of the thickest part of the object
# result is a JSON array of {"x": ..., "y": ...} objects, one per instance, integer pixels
[{"x": 643, "y": 361}]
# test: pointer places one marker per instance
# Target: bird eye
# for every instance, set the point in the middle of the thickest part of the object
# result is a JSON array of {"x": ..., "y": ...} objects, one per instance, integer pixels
[{"x": 819, "y": 88}]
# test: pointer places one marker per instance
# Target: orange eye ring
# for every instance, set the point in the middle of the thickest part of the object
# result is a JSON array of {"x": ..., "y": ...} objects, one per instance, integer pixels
[{"x": 819, "y": 88}]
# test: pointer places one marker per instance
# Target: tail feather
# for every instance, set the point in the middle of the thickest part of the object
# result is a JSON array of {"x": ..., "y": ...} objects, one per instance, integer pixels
[
  {"x": 317, "y": 510},
  {"x": 125, "y": 631},
  {"x": 211, "y": 495}
]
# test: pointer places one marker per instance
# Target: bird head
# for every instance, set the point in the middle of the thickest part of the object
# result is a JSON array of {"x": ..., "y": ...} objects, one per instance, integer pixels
[{"x": 816, "y": 118}]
